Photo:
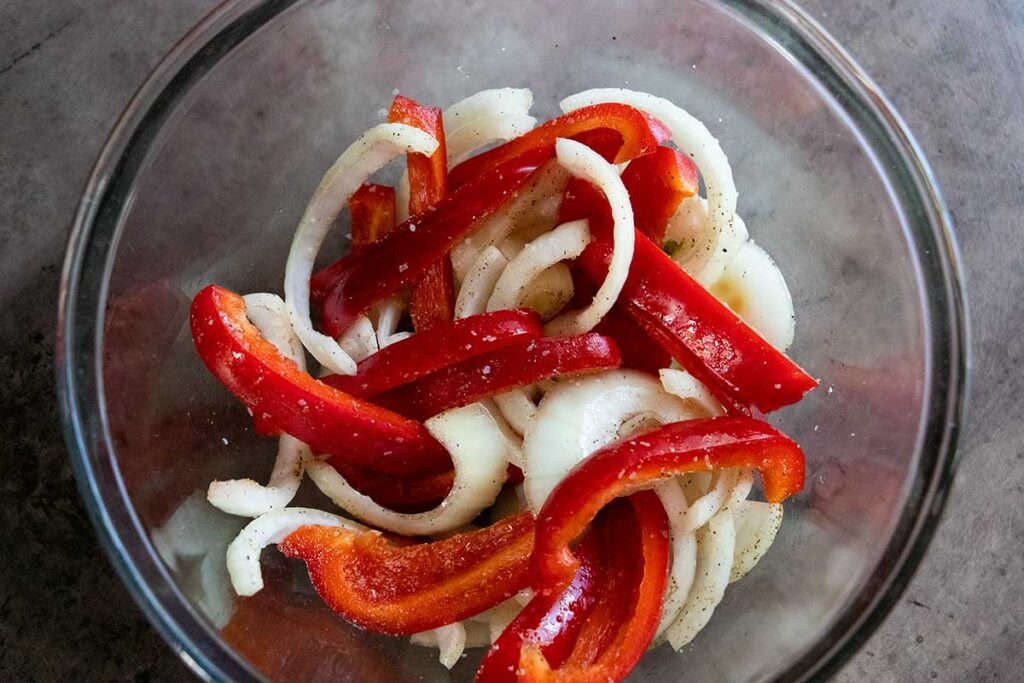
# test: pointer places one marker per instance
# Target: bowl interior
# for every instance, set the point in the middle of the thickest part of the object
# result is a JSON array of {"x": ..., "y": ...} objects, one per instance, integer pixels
[{"x": 218, "y": 190}]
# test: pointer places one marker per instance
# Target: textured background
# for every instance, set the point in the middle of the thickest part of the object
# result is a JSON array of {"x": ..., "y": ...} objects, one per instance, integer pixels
[{"x": 68, "y": 67}]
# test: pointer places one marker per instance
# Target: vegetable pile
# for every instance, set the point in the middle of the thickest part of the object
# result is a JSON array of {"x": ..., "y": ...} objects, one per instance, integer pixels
[{"x": 544, "y": 371}]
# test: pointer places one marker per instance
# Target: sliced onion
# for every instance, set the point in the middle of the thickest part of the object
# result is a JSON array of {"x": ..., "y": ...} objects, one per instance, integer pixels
[
  {"x": 567, "y": 241},
  {"x": 269, "y": 314},
  {"x": 246, "y": 497},
  {"x": 450, "y": 640},
  {"x": 549, "y": 292},
  {"x": 684, "y": 552},
  {"x": 757, "y": 524},
  {"x": 480, "y": 453},
  {"x": 715, "y": 546},
  {"x": 517, "y": 408},
  {"x": 389, "y": 314},
  {"x": 243, "y": 557},
  {"x": 727, "y": 488},
  {"x": 375, "y": 148},
  {"x": 359, "y": 341},
  {"x": 532, "y": 211},
  {"x": 581, "y": 415},
  {"x": 755, "y": 289},
  {"x": 488, "y": 116},
  {"x": 687, "y": 387},
  {"x": 585, "y": 163},
  {"x": 479, "y": 282},
  {"x": 513, "y": 440},
  {"x": 706, "y": 260}
]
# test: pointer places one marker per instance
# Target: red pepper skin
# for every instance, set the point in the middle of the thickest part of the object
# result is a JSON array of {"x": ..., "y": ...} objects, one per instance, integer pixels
[
  {"x": 432, "y": 299},
  {"x": 372, "y": 210},
  {"x": 442, "y": 345},
  {"x": 548, "y": 622},
  {"x": 280, "y": 394},
  {"x": 622, "y": 624},
  {"x": 700, "y": 332},
  {"x": 350, "y": 286},
  {"x": 400, "y": 590},
  {"x": 657, "y": 184},
  {"x": 675, "y": 448},
  {"x": 492, "y": 373},
  {"x": 641, "y": 134}
]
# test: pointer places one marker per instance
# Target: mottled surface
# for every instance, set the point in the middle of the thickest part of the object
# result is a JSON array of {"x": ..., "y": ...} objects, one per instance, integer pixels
[{"x": 67, "y": 68}]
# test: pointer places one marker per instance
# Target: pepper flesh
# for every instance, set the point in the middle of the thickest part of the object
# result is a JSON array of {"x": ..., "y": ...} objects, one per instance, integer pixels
[
  {"x": 372, "y": 212},
  {"x": 442, "y": 345},
  {"x": 493, "y": 373},
  {"x": 548, "y": 622},
  {"x": 400, "y": 590},
  {"x": 350, "y": 286},
  {"x": 709, "y": 340},
  {"x": 622, "y": 624},
  {"x": 432, "y": 299},
  {"x": 657, "y": 183},
  {"x": 283, "y": 397},
  {"x": 675, "y": 448},
  {"x": 640, "y": 133}
]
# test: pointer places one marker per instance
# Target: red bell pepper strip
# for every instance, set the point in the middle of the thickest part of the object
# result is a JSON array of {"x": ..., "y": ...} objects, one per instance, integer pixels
[
  {"x": 639, "y": 351},
  {"x": 283, "y": 397},
  {"x": 492, "y": 373},
  {"x": 622, "y": 624},
  {"x": 432, "y": 299},
  {"x": 442, "y": 345},
  {"x": 641, "y": 134},
  {"x": 399, "y": 590},
  {"x": 372, "y": 213},
  {"x": 698, "y": 330},
  {"x": 675, "y": 448},
  {"x": 657, "y": 184},
  {"x": 353, "y": 284},
  {"x": 548, "y": 622}
]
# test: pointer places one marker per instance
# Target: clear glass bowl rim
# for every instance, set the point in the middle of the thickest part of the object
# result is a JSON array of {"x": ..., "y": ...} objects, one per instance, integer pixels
[{"x": 93, "y": 242}]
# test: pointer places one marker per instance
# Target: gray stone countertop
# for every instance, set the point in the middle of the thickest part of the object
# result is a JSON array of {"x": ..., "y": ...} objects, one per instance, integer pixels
[{"x": 955, "y": 70}]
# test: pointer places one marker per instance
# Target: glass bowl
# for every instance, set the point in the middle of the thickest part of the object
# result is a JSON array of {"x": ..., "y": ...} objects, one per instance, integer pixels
[{"x": 204, "y": 179}]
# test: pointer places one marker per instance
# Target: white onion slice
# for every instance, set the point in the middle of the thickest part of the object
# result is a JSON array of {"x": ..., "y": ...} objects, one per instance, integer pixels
[
  {"x": 579, "y": 416},
  {"x": 479, "y": 282},
  {"x": 567, "y": 241},
  {"x": 549, "y": 292},
  {"x": 246, "y": 497},
  {"x": 243, "y": 556},
  {"x": 488, "y": 116},
  {"x": 269, "y": 314},
  {"x": 450, "y": 640},
  {"x": 715, "y": 546},
  {"x": 755, "y": 289},
  {"x": 533, "y": 210},
  {"x": 687, "y": 387},
  {"x": 683, "y": 543},
  {"x": 706, "y": 260},
  {"x": 585, "y": 163},
  {"x": 757, "y": 524},
  {"x": 359, "y": 341},
  {"x": 374, "y": 148},
  {"x": 389, "y": 314},
  {"x": 479, "y": 451},
  {"x": 517, "y": 408}
]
